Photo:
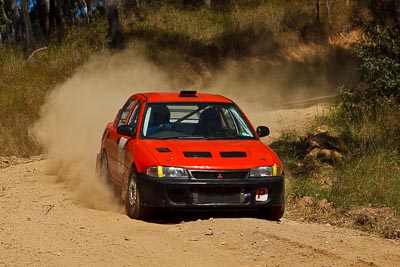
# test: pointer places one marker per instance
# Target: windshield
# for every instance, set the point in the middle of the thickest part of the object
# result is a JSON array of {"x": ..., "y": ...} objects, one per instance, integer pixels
[{"x": 195, "y": 121}]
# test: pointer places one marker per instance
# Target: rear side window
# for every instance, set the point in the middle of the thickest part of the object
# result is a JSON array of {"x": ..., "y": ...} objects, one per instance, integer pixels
[
  {"x": 123, "y": 113},
  {"x": 133, "y": 119}
]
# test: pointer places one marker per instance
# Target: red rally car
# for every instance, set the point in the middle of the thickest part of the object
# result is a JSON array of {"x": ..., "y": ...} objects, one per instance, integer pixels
[{"x": 189, "y": 151}]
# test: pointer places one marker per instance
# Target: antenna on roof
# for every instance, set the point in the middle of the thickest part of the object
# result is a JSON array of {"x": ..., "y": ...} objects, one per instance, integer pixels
[{"x": 187, "y": 93}]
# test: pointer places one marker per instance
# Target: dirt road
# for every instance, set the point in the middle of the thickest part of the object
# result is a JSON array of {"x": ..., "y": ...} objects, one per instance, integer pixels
[{"x": 43, "y": 224}]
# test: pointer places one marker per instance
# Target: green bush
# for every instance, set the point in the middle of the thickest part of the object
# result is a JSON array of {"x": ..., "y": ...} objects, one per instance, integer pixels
[
  {"x": 379, "y": 59},
  {"x": 379, "y": 55}
]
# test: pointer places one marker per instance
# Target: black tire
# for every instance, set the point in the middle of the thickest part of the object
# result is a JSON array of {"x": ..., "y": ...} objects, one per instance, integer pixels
[
  {"x": 104, "y": 170},
  {"x": 273, "y": 213},
  {"x": 133, "y": 205},
  {"x": 105, "y": 176}
]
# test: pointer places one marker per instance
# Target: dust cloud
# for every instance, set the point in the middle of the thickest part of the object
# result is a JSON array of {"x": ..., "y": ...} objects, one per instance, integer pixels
[
  {"x": 284, "y": 94},
  {"x": 75, "y": 114}
]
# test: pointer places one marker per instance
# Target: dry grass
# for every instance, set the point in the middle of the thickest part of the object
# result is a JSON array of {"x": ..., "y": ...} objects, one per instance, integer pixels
[
  {"x": 196, "y": 41},
  {"x": 24, "y": 85},
  {"x": 382, "y": 221}
]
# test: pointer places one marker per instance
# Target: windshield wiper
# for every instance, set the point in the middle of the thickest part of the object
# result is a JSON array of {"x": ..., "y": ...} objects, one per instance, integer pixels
[
  {"x": 181, "y": 137},
  {"x": 231, "y": 137},
  {"x": 220, "y": 137}
]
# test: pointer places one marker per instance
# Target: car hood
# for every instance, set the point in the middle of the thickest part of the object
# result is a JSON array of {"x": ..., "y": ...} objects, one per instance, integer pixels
[{"x": 211, "y": 154}]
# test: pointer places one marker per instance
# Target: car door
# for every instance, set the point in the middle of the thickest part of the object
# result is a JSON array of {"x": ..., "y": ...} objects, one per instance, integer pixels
[
  {"x": 123, "y": 155},
  {"x": 112, "y": 138}
]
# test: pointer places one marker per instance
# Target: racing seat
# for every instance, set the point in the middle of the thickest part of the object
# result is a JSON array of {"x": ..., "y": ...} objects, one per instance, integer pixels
[
  {"x": 209, "y": 124},
  {"x": 159, "y": 119}
]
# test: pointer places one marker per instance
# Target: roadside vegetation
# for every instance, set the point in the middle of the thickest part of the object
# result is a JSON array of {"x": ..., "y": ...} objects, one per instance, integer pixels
[
  {"x": 348, "y": 158},
  {"x": 196, "y": 39},
  {"x": 24, "y": 83}
]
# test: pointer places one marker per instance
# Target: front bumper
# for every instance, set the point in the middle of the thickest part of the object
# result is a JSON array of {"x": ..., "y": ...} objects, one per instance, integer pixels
[{"x": 186, "y": 194}]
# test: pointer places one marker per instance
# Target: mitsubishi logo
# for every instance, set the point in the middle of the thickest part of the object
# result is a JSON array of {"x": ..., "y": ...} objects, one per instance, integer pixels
[{"x": 219, "y": 177}]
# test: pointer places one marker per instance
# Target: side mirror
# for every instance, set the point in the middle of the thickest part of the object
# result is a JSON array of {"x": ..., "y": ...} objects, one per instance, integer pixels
[
  {"x": 126, "y": 130},
  {"x": 262, "y": 131}
]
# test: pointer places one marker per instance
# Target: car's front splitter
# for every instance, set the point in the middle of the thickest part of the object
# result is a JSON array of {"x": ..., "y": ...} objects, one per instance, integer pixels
[{"x": 211, "y": 194}]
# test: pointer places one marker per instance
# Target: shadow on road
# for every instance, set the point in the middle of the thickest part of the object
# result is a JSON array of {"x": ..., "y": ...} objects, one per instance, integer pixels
[{"x": 176, "y": 217}]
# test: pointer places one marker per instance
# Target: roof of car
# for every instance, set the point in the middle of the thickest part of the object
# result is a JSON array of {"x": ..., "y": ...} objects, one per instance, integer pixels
[{"x": 191, "y": 96}]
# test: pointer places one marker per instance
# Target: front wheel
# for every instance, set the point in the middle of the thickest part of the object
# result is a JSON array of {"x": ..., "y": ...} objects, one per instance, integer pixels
[
  {"x": 273, "y": 213},
  {"x": 134, "y": 207}
]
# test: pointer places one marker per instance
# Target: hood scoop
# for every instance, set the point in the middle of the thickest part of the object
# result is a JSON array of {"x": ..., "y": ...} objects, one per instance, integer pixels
[
  {"x": 163, "y": 149},
  {"x": 233, "y": 154},
  {"x": 192, "y": 154}
]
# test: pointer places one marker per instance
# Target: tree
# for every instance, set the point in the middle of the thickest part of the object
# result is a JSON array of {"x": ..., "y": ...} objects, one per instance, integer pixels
[
  {"x": 379, "y": 50},
  {"x": 379, "y": 55},
  {"x": 12, "y": 13},
  {"x": 386, "y": 13},
  {"x": 43, "y": 7},
  {"x": 114, "y": 25},
  {"x": 28, "y": 36},
  {"x": 55, "y": 19},
  {"x": 379, "y": 58}
]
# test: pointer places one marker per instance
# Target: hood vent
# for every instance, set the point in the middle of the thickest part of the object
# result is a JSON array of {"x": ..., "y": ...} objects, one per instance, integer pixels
[
  {"x": 190, "y": 154},
  {"x": 233, "y": 154},
  {"x": 163, "y": 149}
]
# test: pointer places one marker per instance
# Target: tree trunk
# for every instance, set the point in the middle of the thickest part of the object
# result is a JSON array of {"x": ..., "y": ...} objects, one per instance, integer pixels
[
  {"x": 28, "y": 38},
  {"x": 317, "y": 6},
  {"x": 43, "y": 12},
  {"x": 55, "y": 20},
  {"x": 59, "y": 19},
  {"x": 328, "y": 10},
  {"x": 68, "y": 12},
  {"x": 4, "y": 21},
  {"x": 89, "y": 7},
  {"x": 12, "y": 12},
  {"x": 114, "y": 26},
  {"x": 141, "y": 4}
]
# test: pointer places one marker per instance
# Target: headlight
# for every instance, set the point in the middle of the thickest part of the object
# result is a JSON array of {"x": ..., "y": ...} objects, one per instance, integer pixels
[
  {"x": 170, "y": 172},
  {"x": 266, "y": 171}
]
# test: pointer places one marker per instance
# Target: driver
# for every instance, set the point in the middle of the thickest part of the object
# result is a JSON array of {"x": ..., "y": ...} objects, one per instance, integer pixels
[
  {"x": 159, "y": 120},
  {"x": 210, "y": 123}
]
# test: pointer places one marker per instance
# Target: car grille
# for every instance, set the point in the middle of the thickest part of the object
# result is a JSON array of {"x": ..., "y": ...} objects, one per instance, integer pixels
[{"x": 215, "y": 175}]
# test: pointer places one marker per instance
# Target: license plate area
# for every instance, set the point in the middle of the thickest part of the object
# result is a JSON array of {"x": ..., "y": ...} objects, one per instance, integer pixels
[
  {"x": 262, "y": 195},
  {"x": 220, "y": 196}
]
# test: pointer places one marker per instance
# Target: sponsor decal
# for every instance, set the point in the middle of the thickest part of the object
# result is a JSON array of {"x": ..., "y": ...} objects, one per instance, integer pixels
[
  {"x": 262, "y": 194},
  {"x": 121, "y": 154}
]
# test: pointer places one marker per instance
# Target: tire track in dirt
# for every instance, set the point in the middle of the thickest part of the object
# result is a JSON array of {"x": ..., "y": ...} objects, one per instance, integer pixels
[
  {"x": 43, "y": 222},
  {"x": 63, "y": 231}
]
